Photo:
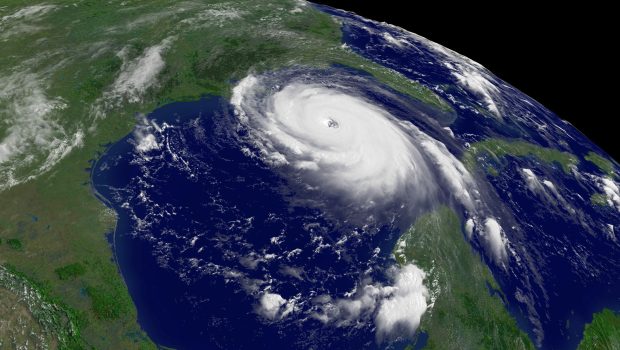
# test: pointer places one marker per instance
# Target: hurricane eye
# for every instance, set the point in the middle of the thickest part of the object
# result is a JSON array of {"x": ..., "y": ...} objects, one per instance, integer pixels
[{"x": 332, "y": 124}]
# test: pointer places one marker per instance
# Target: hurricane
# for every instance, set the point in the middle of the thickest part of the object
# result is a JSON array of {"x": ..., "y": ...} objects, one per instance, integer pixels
[{"x": 328, "y": 132}]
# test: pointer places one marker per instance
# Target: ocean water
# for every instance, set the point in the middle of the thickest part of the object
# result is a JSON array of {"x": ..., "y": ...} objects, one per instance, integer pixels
[{"x": 197, "y": 224}]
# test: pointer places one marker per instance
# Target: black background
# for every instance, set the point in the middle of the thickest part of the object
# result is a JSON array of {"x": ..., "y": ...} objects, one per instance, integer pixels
[{"x": 560, "y": 56}]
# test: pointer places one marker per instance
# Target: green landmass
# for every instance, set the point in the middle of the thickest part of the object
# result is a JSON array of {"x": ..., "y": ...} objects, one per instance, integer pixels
[
  {"x": 468, "y": 312},
  {"x": 64, "y": 60},
  {"x": 492, "y": 171},
  {"x": 604, "y": 164},
  {"x": 603, "y": 333},
  {"x": 498, "y": 148},
  {"x": 70, "y": 271},
  {"x": 598, "y": 199},
  {"x": 14, "y": 243}
]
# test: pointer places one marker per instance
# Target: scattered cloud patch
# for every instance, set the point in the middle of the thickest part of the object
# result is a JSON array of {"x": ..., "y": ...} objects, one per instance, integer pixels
[
  {"x": 469, "y": 227},
  {"x": 31, "y": 138},
  {"x": 449, "y": 131},
  {"x": 140, "y": 74},
  {"x": 392, "y": 40},
  {"x": 28, "y": 13},
  {"x": 396, "y": 309},
  {"x": 214, "y": 15},
  {"x": 477, "y": 83},
  {"x": 144, "y": 135},
  {"x": 23, "y": 21},
  {"x": 471, "y": 75},
  {"x": 545, "y": 189},
  {"x": 454, "y": 172}
]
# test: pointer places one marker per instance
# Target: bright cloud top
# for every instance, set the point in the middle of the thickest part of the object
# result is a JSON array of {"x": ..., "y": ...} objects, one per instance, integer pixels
[
  {"x": 396, "y": 309},
  {"x": 335, "y": 137},
  {"x": 327, "y": 132}
]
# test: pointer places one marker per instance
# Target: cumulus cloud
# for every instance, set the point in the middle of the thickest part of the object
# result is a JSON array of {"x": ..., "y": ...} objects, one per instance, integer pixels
[
  {"x": 531, "y": 180},
  {"x": 145, "y": 135},
  {"x": 469, "y": 74},
  {"x": 546, "y": 190},
  {"x": 270, "y": 305},
  {"x": 400, "y": 312},
  {"x": 494, "y": 239},
  {"x": 394, "y": 41},
  {"x": 396, "y": 309},
  {"x": 612, "y": 192},
  {"x": 469, "y": 227},
  {"x": 611, "y": 233},
  {"x": 274, "y": 307}
]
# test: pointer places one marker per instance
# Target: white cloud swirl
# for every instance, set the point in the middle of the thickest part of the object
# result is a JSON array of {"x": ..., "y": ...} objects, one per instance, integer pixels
[
  {"x": 335, "y": 139},
  {"x": 345, "y": 137}
]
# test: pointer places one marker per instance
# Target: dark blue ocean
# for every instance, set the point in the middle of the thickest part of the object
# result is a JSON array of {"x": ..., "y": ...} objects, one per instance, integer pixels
[{"x": 184, "y": 235}]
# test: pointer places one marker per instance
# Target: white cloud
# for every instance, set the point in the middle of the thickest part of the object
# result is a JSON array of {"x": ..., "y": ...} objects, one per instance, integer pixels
[
  {"x": 28, "y": 13},
  {"x": 32, "y": 138},
  {"x": 558, "y": 196},
  {"x": 477, "y": 83},
  {"x": 470, "y": 74},
  {"x": 60, "y": 148},
  {"x": 270, "y": 305},
  {"x": 140, "y": 74},
  {"x": 611, "y": 191},
  {"x": 455, "y": 174},
  {"x": 20, "y": 22},
  {"x": 400, "y": 312},
  {"x": 274, "y": 307},
  {"x": 214, "y": 15},
  {"x": 338, "y": 140},
  {"x": 147, "y": 143},
  {"x": 469, "y": 227},
  {"x": 494, "y": 239},
  {"x": 545, "y": 189},
  {"x": 449, "y": 131},
  {"x": 396, "y": 309},
  {"x": 239, "y": 92},
  {"x": 532, "y": 180},
  {"x": 611, "y": 233},
  {"x": 392, "y": 40}
]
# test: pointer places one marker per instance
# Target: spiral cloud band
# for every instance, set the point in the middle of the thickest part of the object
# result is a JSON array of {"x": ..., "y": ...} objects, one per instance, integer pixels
[
  {"x": 336, "y": 140},
  {"x": 336, "y": 134}
]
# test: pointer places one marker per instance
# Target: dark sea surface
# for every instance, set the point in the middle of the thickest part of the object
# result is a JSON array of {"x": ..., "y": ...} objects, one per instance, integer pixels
[{"x": 203, "y": 220}]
